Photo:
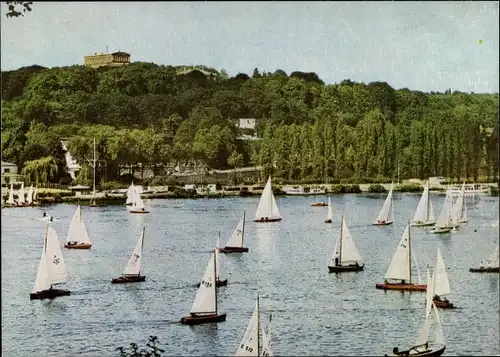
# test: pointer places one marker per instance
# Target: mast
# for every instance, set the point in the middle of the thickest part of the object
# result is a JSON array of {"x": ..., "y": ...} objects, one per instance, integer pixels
[
  {"x": 392, "y": 202},
  {"x": 142, "y": 248},
  {"x": 341, "y": 233},
  {"x": 258, "y": 327},
  {"x": 428, "y": 203},
  {"x": 409, "y": 251},
  {"x": 93, "y": 166},
  {"x": 271, "y": 197},
  {"x": 45, "y": 246},
  {"x": 215, "y": 280},
  {"x": 243, "y": 230}
]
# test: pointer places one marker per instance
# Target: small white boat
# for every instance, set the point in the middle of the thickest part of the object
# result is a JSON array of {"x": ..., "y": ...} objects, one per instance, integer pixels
[
  {"x": 386, "y": 214},
  {"x": 132, "y": 271},
  {"x": 424, "y": 215},
  {"x": 267, "y": 210},
  {"x": 329, "y": 214},
  {"x": 235, "y": 242},
  {"x": 346, "y": 256},
  {"x": 446, "y": 220},
  {"x": 77, "y": 237},
  {"x": 250, "y": 344}
]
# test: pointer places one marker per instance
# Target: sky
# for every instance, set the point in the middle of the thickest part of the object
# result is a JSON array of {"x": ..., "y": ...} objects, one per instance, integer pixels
[{"x": 427, "y": 46}]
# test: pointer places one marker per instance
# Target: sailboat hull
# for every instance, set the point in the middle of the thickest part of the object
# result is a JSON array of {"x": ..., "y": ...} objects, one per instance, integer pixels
[
  {"x": 268, "y": 220},
  {"x": 319, "y": 204},
  {"x": 441, "y": 230},
  {"x": 49, "y": 294},
  {"x": 128, "y": 279},
  {"x": 78, "y": 246},
  {"x": 422, "y": 224},
  {"x": 485, "y": 270},
  {"x": 345, "y": 268},
  {"x": 443, "y": 304},
  {"x": 437, "y": 350},
  {"x": 203, "y": 319},
  {"x": 382, "y": 223},
  {"x": 218, "y": 283},
  {"x": 138, "y": 211},
  {"x": 227, "y": 250},
  {"x": 402, "y": 287}
]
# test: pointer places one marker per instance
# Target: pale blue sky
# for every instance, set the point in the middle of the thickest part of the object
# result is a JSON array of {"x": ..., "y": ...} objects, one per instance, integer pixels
[{"x": 419, "y": 45}]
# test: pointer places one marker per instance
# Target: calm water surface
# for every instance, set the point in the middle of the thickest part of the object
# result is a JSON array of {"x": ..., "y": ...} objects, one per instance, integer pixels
[{"x": 314, "y": 312}]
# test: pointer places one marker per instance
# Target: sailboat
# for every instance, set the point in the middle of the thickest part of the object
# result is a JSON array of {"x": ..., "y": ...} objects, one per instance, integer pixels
[
  {"x": 21, "y": 201},
  {"x": 346, "y": 256},
  {"x": 235, "y": 242},
  {"x": 460, "y": 207},
  {"x": 422, "y": 348},
  {"x": 218, "y": 281},
  {"x": 205, "y": 309},
  {"x": 137, "y": 203},
  {"x": 51, "y": 270},
  {"x": 384, "y": 217},
  {"x": 446, "y": 221},
  {"x": 93, "y": 202},
  {"x": 329, "y": 215},
  {"x": 400, "y": 267},
  {"x": 29, "y": 196},
  {"x": 132, "y": 271},
  {"x": 35, "y": 196},
  {"x": 10, "y": 200},
  {"x": 424, "y": 215},
  {"x": 441, "y": 284},
  {"x": 130, "y": 195},
  {"x": 491, "y": 266},
  {"x": 77, "y": 237},
  {"x": 250, "y": 343},
  {"x": 267, "y": 210}
]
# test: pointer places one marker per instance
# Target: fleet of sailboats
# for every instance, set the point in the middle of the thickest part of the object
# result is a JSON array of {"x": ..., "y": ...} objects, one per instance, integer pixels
[{"x": 346, "y": 257}]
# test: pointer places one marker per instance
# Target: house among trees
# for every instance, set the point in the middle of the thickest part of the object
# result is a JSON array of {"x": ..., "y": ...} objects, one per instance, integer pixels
[
  {"x": 107, "y": 59},
  {"x": 9, "y": 173}
]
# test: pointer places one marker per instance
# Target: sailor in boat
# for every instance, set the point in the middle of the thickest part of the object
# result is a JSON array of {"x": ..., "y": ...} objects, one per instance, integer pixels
[
  {"x": 380, "y": 222},
  {"x": 438, "y": 298},
  {"x": 73, "y": 242},
  {"x": 49, "y": 217}
]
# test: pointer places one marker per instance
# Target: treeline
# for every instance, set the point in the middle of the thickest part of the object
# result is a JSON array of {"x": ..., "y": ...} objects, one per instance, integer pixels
[{"x": 159, "y": 115}]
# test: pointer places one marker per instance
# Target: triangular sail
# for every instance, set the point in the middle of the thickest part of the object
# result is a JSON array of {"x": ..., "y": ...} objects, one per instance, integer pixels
[
  {"x": 439, "y": 337},
  {"x": 423, "y": 336},
  {"x": 267, "y": 205},
  {"x": 35, "y": 194},
  {"x": 266, "y": 339},
  {"x": 130, "y": 194},
  {"x": 350, "y": 252},
  {"x": 444, "y": 219},
  {"x": 236, "y": 239},
  {"x": 77, "y": 231},
  {"x": 133, "y": 266},
  {"x": 329, "y": 215},
  {"x": 441, "y": 282},
  {"x": 206, "y": 299},
  {"x": 55, "y": 261},
  {"x": 42, "y": 281},
  {"x": 10, "y": 200},
  {"x": 384, "y": 214},
  {"x": 217, "y": 259},
  {"x": 399, "y": 269},
  {"x": 459, "y": 204},
  {"x": 137, "y": 202},
  {"x": 20, "y": 195},
  {"x": 249, "y": 345},
  {"x": 29, "y": 196},
  {"x": 425, "y": 211}
]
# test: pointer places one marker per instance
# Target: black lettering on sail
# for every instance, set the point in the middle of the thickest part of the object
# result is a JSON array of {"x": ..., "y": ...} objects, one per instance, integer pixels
[{"x": 55, "y": 260}]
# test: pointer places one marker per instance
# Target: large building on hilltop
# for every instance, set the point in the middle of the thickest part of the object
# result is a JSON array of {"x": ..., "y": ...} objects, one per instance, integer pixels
[{"x": 107, "y": 59}]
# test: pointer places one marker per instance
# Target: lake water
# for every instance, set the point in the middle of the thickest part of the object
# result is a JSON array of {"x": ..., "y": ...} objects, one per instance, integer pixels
[{"x": 314, "y": 312}]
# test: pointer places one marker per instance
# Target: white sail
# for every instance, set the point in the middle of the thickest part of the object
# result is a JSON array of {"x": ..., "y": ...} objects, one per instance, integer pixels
[
  {"x": 266, "y": 339},
  {"x": 441, "y": 282},
  {"x": 445, "y": 217},
  {"x": 137, "y": 202},
  {"x": 384, "y": 214},
  {"x": 20, "y": 194},
  {"x": 10, "y": 200},
  {"x": 399, "y": 269},
  {"x": 35, "y": 194},
  {"x": 206, "y": 299},
  {"x": 249, "y": 345},
  {"x": 349, "y": 252},
  {"x": 439, "y": 337},
  {"x": 267, "y": 205},
  {"x": 329, "y": 215},
  {"x": 29, "y": 196},
  {"x": 77, "y": 231},
  {"x": 217, "y": 259},
  {"x": 133, "y": 266},
  {"x": 130, "y": 194},
  {"x": 459, "y": 204},
  {"x": 493, "y": 260},
  {"x": 42, "y": 280},
  {"x": 423, "y": 336},
  {"x": 236, "y": 239},
  {"x": 55, "y": 261},
  {"x": 425, "y": 211}
]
